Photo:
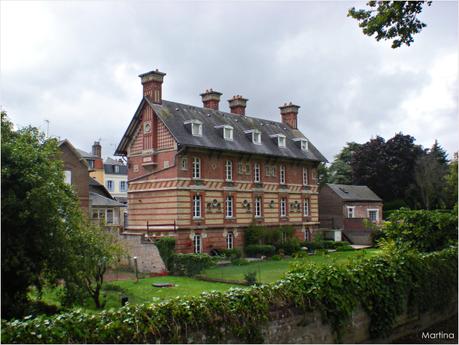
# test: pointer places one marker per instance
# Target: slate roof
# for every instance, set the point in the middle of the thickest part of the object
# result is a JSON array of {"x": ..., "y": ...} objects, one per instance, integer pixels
[
  {"x": 98, "y": 188},
  {"x": 354, "y": 193},
  {"x": 99, "y": 200},
  {"x": 85, "y": 154},
  {"x": 174, "y": 115},
  {"x": 109, "y": 167}
]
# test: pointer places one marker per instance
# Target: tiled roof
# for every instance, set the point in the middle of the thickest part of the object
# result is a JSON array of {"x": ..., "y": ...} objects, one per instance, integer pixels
[
  {"x": 174, "y": 115},
  {"x": 354, "y": 193},
  {"x": 99, "y": 200}
]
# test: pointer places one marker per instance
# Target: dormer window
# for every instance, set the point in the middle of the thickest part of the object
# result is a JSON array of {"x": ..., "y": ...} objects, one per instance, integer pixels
[
  {"x": 256, "y": 136},
  {"x": 228, "y": 133},
  {"x": 302, "y": 143},
  {"x": 195, "y": 127},
  {"x": 280, "y": 138}
]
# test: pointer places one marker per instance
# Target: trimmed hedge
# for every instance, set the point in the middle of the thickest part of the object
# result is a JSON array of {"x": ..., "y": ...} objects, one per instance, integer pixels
[
  {"x": 166, "y": 248},
  {"x": 190, "y": 264},
  {"x": 383, "y": 285},
  {"x": 254, "y": 250}
]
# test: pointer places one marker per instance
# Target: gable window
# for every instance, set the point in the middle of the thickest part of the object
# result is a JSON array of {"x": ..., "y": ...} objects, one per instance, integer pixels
[
  {"x": 350, "y": 211},
  {"x": 197, "y": 244},
  {"x": 147, "y": 127},
  {"x": 196, "y": 206},
  {"x": 110, "y": 185},
  {"x": 305, "y": 177},
  {"x": 256, "y": 172},
  {"x": 123, "y": 186},
  {"x": 229, "y": 207},
  {"x": 196, "y": 168},
  {"x": 283, "y": 207},
  {"x": 184, "y": 163},
  {"x": 373, "y": 215},
  {"x": 68, "y": 176},
  {"x": 228, "y": 133},
  {"x": 282, "y": 174},
  {"x": 230, "y": 240},
  {"x": 229, "y": 170},
  {"x": 306, "y": 207},
  {"x": 258, "y": 206},
  {"x": 304, "y": 145}
]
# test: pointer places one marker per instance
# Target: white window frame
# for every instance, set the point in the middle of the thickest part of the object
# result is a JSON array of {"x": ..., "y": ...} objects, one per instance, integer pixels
[
  {"x": 196, "y": 174},
  {"x": 106, "y": 216},
  {"x": 352, "y": 209},
  {"x": 110, "y": 183},
  {"x": 196, "y": 206},
  {"x": 258, "y": 211},
  {"x": 283, "y": 207},
  {"x": 125, "y": 186},
  {"x": 117, "y": 169},
  {"x": 304, "y": 145},
  {"x": 282, "y": 174},
  {"x": 229, "y": 170},
  {"x": 68, "y": 176},
  {"x": 184, "y": 163},
  {"x": 377, "y": 214},
  {"x": 196, "y": 129},
  {"x": 305, "y": 176},
  {"x": 256, "y": 173},
  {"x": 197, "y": 244},
  {"x": 306, "y": 207},
  {"x": 229, "y": 206},
  {"x": 230, "y": 132},
  {"x": 229, "y": 240},
  {"x": 281, "y": 141},
  {"x": 256, "y": 137}
]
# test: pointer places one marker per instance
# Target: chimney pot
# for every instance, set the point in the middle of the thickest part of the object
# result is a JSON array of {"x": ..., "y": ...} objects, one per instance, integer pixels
[
  {"x": 289, "y": 114},
  {"x": 238, "y": 104},
  {"x": 152, "y": 85},
  {"x": 97, "y": 149},
  {"x": 211, "y": 99}
]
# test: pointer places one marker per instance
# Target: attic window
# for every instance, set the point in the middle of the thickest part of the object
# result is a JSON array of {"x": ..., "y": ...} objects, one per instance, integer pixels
[
  {"x": 303, "y": 143},
  {"x": 256, "y": 135},
  {"x": 196, "y": 127},
  {"x": 228, "y": 132},
  {"x": 281, "y": 142}
]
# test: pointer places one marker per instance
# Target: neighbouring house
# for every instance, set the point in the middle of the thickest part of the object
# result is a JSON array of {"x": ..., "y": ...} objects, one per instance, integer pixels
[
  {"x": 203, "y": 175},
  {"x": 116, "y": 179},
  {"x": 95, "y": 162},
  {"x": 76, "y": 172},
  {"x": 347, "y": 207}
]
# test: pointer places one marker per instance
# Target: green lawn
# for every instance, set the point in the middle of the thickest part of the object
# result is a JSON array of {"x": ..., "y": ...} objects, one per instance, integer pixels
[
  {"x": 141, "y": 292},
  {"x": 270, "y": 271}
]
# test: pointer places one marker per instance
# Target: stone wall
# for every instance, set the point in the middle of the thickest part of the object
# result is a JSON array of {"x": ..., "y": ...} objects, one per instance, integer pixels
[{"x": 148, "y": 258}]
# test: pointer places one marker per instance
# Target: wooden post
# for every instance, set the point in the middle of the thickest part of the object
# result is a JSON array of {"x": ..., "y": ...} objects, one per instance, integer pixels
[{"x": 136, "y": 269}]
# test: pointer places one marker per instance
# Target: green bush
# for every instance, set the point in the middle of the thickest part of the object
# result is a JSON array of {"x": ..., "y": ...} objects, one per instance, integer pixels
[
  {"x": 344, "y": 248},
  {"x": 420, "y": 229},
  {"x": 190, "y": 264},
  {"x": 312, "y": 246},
  {"x": 250, "y": 278},
  {"x": 239, "y": 262},
  {"x": 255, "y": 250},
  {"x": 166, "y": 248},
  {"x": 231, "y": 253},
  {"x": 276, "y": 258},
  {"x": 290, "y": 246},
  {"x": 383, "y": 285}
]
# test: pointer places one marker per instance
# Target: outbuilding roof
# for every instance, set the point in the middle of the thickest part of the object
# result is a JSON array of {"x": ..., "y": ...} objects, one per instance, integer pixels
[
  {"x": 354, "y": 193},
  {"x": 98, "y": 200},
  {"x": 174, "y": 116}
]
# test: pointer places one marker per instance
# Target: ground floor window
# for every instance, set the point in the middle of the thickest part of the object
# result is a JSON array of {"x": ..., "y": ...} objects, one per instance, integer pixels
[
  {"x": 230, "y": 240},
  {"x": 197, "y": 244},
  {"x": 373, "y": 215}
]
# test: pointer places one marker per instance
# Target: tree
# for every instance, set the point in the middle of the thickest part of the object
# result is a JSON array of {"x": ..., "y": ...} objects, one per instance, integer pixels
[
  {"x": 439, "y": 153},
  {"x": 322, "y": 174},
  {"x": 451, "y": 188},
  {"x": 93, "y": 251},
  {"x": 39, "y": 212},
  {"x": 389, "y": 20},
  {"x": 430, "y": 179},
  {"x": 340, "y": 170}
]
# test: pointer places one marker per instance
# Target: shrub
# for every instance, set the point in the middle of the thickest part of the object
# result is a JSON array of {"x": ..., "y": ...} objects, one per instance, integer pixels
[
  {"x": 254, "y": 250},
  {"x": 345, "y": 248},
  {"x": 231, "y": 253},
  {"x": 383, "y": 285},
  {"x": 276, "y": 258},
  {"x": 190, "y": 264},
  {"x": 290, "y": 246},
  {"x": 420, "y": 229},
  {"x": 250, "y": 278},
  {"x": 166, "y": 248}
]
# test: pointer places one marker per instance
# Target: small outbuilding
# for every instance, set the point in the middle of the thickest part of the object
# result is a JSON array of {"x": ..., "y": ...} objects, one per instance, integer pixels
[{"x": 347, "y": 207}]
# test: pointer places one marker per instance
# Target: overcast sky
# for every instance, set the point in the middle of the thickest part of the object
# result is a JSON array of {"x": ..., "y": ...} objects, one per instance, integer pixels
[{"x": 76, "y": 64}]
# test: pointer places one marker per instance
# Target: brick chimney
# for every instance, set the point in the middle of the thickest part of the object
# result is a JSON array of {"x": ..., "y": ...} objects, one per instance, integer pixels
[
  {"x": 97, "y": 149},
  {"x": 210, "y": 99},
  {"x": 237, "y": 105},
  {"x": 289, "y": 114},
  {"x": 152, "y": 82}
]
